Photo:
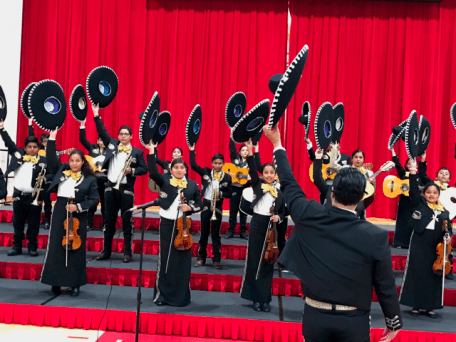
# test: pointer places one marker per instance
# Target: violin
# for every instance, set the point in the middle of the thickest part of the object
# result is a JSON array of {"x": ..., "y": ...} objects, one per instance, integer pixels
[
  {"x": 71, "y": 240},
  {"x": 183, "y": 239},
  {"x": 443, "y": 250},
  {"x": 271, "y": 254}
]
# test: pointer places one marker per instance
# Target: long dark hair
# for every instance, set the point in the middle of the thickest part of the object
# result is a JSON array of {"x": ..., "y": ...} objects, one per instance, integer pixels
[
  {"x": 179, "y": 161},
  {"x": 86, "y": 169},
  {"x": 358, "y": 151},
  {"x": 430, "y": 184}
]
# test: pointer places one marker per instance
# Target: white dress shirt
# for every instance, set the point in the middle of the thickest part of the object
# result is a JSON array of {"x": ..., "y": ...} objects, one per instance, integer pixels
[
  {"x": 263, "y": 206},
  {"x": 431, "y": 225},
  {"x": 23, "y": 177},
  {"x": 171, "y": 212},
  {"x": 66, "y": 188},
  {"x": 116, "y": 165}
]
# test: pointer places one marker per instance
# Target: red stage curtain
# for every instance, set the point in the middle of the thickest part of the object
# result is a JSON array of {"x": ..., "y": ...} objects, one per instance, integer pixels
[
  {"x": 382, "y": 59},
  {"x": 191, "y": 52}
]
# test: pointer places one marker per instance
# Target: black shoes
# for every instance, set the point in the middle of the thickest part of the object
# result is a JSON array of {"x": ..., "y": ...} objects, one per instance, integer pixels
[
  {"x": 244, "y": 236},
  {"x": 89, "y": 227},
  {"x": 103, "y": 256},
  {"x": 158, "y": 303},
  {"x": 266, "y": 307},
  {"x": 450, "y": 276},
  {"x": 415, "y": 312},
  {"x": 33, "y": 253},
  {"x": 14, "y": 252},
  {"x": 229, "y": 235},
  {"x": 217, "y": 265},
  {"x": 55, "y": 290},
  {"x": 199, "y": 263},
  {"x": 47, "y": 225},
  {"x": 256, "y": 306},
  {"x": 127, "y": 258},
  {"x": 74, "y": 291}
]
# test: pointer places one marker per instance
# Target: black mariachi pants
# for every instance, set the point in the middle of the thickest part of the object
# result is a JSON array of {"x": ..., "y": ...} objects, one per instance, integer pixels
[
  {"x": 101, "y": 193},
  {"x": 206, "y": 229},
  {"x": 47, "y": 202},
  {"x": 235, "y": 200},
  {"x": 115, "y": 200},
  {"x": 24, "y": 211}
]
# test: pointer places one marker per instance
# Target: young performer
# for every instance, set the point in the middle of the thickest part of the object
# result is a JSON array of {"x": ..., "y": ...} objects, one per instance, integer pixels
[
  {"x": 124, "y": 163},
  {"x": 357, "y": 159},
  {"x": 98, "y": 151},
  {"x": 177, "y": 154},
  {"x": 215, "y": 183},
  {"x": 267, "y": 194},
  {"x": 27, "y": 166},
  {"x": 174, "y": 266},
  {"x": 3, "y": 188},
  {"x": 238, "y": 159},
  {"x": 338, "y": 285},
  {"x": 344, "y": 159},
  {"x": 421, "y": 288},
  {"x": 74, "y": 180}
]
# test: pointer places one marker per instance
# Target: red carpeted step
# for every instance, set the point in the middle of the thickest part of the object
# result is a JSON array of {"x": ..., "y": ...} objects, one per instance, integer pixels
[{"x": 198, "y": 281}]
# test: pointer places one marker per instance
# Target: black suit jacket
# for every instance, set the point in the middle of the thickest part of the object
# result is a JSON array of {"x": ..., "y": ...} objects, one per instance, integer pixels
[
  {"x": 16, "y": 157},
  {"x": 345, "y": 159},
  {"x": 168, "y": 192},
  {"x": 164, "y": 164},
  {"x": 206, "y": 179},
  {"x": 86, "y": 189},
  {"x": 338, "y": 257},
  {"x": 3, "y": 189},
  {"x": 138, "y": 165},
  {"x": 93, "y": 149}
]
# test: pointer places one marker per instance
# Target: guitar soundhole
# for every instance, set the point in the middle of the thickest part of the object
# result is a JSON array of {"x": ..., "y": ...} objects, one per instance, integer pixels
[{"x": 453, "y": 200}]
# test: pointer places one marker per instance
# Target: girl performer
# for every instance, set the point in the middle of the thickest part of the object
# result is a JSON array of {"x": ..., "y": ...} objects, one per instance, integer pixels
[{"x": 165, "y": 165}]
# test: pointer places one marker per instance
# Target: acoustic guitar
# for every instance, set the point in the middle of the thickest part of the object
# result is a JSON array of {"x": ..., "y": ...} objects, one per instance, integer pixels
[
  {"x": 327, "y": 172},
  {"x": 238, "y": 175},
  {"x": 393, "y": 186},
  {"x": 370, "y": 190},
  {"x": 59, "y": 153},
  {"x": 448, "y": 199}
]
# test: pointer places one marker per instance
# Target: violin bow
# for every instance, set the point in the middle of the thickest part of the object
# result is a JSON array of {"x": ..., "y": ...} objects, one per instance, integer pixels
[
  {"x": 445, "y": 235},
  {"x": 173, "y": 233},
  {"x": 67, "y": 236}
]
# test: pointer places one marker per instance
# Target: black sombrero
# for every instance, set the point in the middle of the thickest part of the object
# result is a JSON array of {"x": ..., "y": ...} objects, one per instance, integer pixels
[
  {"x": 235, "y": 108},
  {"x": 453, "y": 114},
  {"x": 193, "y": 127},
  {"x": 324, "y": 125},
  {"x": 256, "y": 138},
  {"x": 305, "y": 117},
  {"x": 287, "y": 86},
  {"x": 274, "y": 82},
  {"x": 398, "y": 133},
  {"x": 339, "y": 122},
  {"x": 251, "y": 123},
  {"x": 161, "y": 128},
  {"x": 102, "y": 85},
  {"x": 412, "y": 135},
  {"x": 149, "y": 119},
  {"x": 24, "y": 100},
  {"x": 47, "y": 105},
  {"x": 425, "y": 135},
  {"x": 78, "y": 103},
  {"x": 2, "y": 105}
]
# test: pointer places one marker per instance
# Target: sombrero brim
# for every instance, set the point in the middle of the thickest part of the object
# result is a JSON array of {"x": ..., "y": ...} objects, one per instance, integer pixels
[
  {"x": 339, "y": 122},
  {"x": 412, "y": 135},
  {"x": 251, "y": 123},
  {"x": 193, "y": 127},
  {"x": 149, "y": 119},
  {"x": 47, "y": 105},
  {"x": 287, "y": 86},
  {"x": 274, "y": 82},
  {"x": 323, "y": 126},
  {"x": 394, "y": 138},
  {"x": 78, "y": 103},
  {"x": 3, "y": 108},
  {"x": 235, "y": 108},
  {"x": 102, "y": 85},
  {"x": 161, "y": 128},
  {"x": 256, "y": 138},
  {"x": 24, "y": 100},
  {"x": 453, "y": 114},
  {"x": 306, "y": 117},
  {"x": 425, "y": 135}
]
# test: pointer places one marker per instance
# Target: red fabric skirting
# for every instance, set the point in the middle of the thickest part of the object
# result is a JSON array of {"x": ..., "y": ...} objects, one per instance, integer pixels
[
  {"x": 179, "y": 325},
  {"x": 198, "y": 281}
]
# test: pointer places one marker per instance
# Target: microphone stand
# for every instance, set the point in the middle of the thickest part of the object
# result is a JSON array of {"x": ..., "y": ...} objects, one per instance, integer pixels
[{"x": 138, "y": 296}]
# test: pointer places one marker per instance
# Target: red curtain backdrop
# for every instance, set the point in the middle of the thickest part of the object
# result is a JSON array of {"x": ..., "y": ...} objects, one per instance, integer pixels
[
  {"x": 382, "y": 59},
  {"x": 189, "y": 51}
]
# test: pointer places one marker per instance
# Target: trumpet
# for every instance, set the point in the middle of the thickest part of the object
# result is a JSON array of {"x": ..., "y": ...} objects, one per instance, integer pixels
[
  {"x": 122, "y": 174},
  {"x": 214, "y": 202},
  {"x": 38, "y": 186}
]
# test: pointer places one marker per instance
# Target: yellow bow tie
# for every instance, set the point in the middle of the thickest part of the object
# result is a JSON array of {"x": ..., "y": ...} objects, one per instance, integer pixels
[
  {"x": 125, "y": 149},
  {"x": 178, "y": 183},
  {"x": 436, "y": 206},
  {"x": 270, "y": 189},
  {"x": 75, "y": 175},
  {"x": 217, "y": 176},
  {"x": 32, "y": 159},
  {"x": 440, "y": 185}
]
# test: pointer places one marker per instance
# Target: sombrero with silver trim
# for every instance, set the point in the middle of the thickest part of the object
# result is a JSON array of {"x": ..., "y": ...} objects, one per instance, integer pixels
[
  {"x": 149, "y": 119},
  {"x": 425, "y": 135},
  {"x": 251, "y": 123},
  {"x": 324, "y": 125},
  {"x": 235, "y": 108},
  {"x": 287, "y": 86},
  {"x": 398, "y": 133},
  {"x": 78, "y": 103},
  {"x": 412, "y": 135},
  {"x": 24, "y": 100},
  {"x": 256, "y": 138},
  {"x": 274, "y": 82},
  {"x": 161, "y": 127},
  {"x": 102, "y": 84},
  {"x": 305, "y": 117},
  {"x": 339, "y": 122},
  {"x": 47, "y": 105},
  {"x": 2, "y": 105},
  {"x": 453, "y": 114},
  {"x": 193, "y": 127},
  {"x": 141, "y": 114}
]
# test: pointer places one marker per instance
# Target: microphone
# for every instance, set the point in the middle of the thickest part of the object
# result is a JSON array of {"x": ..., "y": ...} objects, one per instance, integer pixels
[{"x": 146, "y": 205}]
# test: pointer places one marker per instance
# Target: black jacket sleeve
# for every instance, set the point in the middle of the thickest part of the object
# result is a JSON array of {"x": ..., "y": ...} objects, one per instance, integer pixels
[
  {"x": 31, "y": 131},
  {"x": 197, "y": 203},
  {"x": 422, "y": 172},
  {"x": 162, "y": 163},
  {"x": 10, "y": 145},
  {"x": 83, "y": 139},
  {"x": 318, "y": 177},
  {"x": 258, "y": 164},
  {"x": 227, "y": 191},
  {"x": 141, "y": 167},
  {"x": 101, "y": 129},
  {"x": 233, "y": 151},
  {"x": 414, "y": 192},
  {"x": 3, "y": 190},
  {"x": 195, "y": 167},
  {"x": 51, "y": 156},
  {"x": 253, "y": 171},
  {"x": 92, "y": 197},
  {"x": 400, "y": 170},
  {"x": 153, "y": 170},
  {"x": 311, "y": 154}
]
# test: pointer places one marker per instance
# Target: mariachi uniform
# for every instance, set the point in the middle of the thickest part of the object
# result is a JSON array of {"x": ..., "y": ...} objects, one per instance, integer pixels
[
  {"x": 26, "y": 170},
  {"x": 164, "y": 164},
  {"x": 421, "y": 288},
  {"x": 172, "y": 287},
  {"x": 3, "y": 188},
  {"x": 221, "y": 182},
  {"x": 265, "y": 196},
  {"x": 95, "y": 151},
  {"x": 236, "y": 196},
  {"x": 123, "y": 199},
  {"x": 84, "y": 190}
]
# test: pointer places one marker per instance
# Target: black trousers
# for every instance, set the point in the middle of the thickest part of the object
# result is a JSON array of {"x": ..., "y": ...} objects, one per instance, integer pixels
[
  {"x": 215, "y": 233},
  {"x": 320, "y": 325},
  {"x": 101, "y": 189},
  {"x": 281, "y": 233},
  {"x": 24, "y": 211},
  {"x": 47, "y": 202},
  {"x": 235, "y": 200},
  {"x": 115, "y": 200}
]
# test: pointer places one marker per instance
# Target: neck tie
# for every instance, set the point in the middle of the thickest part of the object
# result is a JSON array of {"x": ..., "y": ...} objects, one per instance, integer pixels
[
  {"x": 75, "y": 175},
  {"x": 217, "y": 176},
  {"x": 125, "y": 149},
  {"x": 436, "y": 206},
  {"x": 178, "y": 183},
  {"x": 440, "y": 185},
  {"x": 268, "y": 188},
  {"x": 32, "y": 159}
]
